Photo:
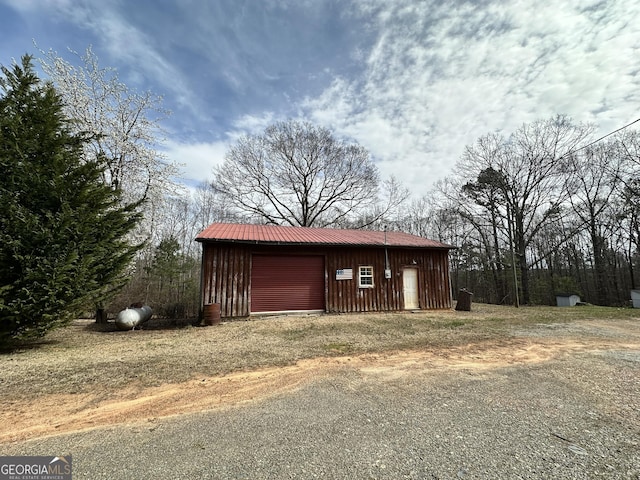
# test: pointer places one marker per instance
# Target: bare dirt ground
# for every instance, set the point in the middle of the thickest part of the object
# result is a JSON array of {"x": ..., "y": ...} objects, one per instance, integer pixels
[{"x": 84, "y": 377}]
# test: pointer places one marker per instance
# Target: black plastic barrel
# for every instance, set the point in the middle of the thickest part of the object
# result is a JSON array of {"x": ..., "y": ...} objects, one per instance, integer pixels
[{"x": 464, "y": 300}]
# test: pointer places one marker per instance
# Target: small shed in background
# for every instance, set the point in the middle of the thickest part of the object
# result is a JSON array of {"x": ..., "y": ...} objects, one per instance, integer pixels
[
  {"x": 567, "y": 299},
  {"x": 635, "y": 298}
]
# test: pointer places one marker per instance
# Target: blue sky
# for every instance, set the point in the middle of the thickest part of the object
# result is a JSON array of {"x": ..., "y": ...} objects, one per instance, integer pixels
[{"x": 412, "y": 81}]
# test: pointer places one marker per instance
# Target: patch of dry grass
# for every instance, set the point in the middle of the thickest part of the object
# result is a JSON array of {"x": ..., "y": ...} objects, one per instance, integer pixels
[{"x": 87, "y": 358}]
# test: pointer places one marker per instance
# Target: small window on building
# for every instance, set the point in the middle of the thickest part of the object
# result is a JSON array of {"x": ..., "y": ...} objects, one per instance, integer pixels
[{"x": 366, "y": 277}]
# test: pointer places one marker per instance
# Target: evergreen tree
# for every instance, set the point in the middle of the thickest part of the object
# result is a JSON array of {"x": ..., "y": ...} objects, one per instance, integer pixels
[{"x": 63, "y": 231}]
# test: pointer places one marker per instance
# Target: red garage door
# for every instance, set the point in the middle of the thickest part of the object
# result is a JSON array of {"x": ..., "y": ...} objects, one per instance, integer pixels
[{"x": 287, "y": 282}]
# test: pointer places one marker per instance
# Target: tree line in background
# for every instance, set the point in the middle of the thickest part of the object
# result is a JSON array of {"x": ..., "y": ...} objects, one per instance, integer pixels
[
  {"x": 534, "y": 214},
  {"x": 542, "y": 211}
]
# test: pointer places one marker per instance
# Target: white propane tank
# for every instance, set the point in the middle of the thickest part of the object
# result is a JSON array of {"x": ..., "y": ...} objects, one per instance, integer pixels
[{"x": 130, "y": 318}]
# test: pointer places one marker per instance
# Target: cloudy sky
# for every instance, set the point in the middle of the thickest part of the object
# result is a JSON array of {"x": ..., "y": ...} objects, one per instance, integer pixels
[{"x": 412, "y": 81}]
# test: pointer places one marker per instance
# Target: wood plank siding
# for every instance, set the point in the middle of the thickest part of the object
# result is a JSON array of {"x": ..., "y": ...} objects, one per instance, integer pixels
[
  {"x": 387, "y": 294},
  {"x": 226, "y": 280}
]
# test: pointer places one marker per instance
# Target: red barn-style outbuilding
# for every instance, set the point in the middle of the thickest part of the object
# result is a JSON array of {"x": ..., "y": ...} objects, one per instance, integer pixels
[{"x": 260, "y": 269}]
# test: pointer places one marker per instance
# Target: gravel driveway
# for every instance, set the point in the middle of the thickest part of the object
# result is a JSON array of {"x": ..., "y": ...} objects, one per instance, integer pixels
[{"x": 576, "y": 415}]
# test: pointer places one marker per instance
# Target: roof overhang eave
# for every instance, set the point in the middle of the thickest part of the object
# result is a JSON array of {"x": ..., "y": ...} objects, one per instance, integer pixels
[{"x": 318, "y": 244}]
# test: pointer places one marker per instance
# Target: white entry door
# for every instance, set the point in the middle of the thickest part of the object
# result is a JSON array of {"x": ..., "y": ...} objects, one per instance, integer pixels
[{"x": 410, "y": 288}]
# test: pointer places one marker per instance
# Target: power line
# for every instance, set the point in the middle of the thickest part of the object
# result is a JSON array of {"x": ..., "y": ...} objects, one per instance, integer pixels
[{"x": 601, "y": 138}]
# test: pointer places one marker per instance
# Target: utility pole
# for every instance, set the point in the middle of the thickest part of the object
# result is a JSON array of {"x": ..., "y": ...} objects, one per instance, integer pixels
[{"x": 516, "y": 301}]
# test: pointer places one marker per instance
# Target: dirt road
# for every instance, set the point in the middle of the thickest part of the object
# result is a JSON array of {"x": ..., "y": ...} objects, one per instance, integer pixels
[{"x": 59, "y": 413}]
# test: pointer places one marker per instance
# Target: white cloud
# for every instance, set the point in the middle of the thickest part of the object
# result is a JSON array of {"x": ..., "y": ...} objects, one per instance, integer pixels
[
  {"x": 198, "y": 159},
  {"x": 33, "y": 5},
  {"x": 439, "y": 77},
  {"x": 124, "y": 43},
  {"x": 413, "y": 82},
  {"x": 252, "y": 124}
]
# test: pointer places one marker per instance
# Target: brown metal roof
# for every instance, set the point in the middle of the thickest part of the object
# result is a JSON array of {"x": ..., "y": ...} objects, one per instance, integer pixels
[{"x": 275, "y": 234}]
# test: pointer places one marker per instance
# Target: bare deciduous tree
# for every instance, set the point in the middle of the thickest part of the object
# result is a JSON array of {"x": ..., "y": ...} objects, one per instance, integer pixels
[
  {"x": 299, "y": 174},
  {"x": 594, "y": 187},
  {"x": 529, "y": 170}
]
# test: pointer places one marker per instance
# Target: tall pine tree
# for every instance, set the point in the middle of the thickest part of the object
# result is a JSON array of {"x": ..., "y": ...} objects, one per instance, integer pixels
[{"x": 62, "y": 232}]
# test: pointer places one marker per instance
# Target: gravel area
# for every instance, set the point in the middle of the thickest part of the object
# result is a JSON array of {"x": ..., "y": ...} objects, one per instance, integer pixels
[{"x": 573, "y": 416}]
